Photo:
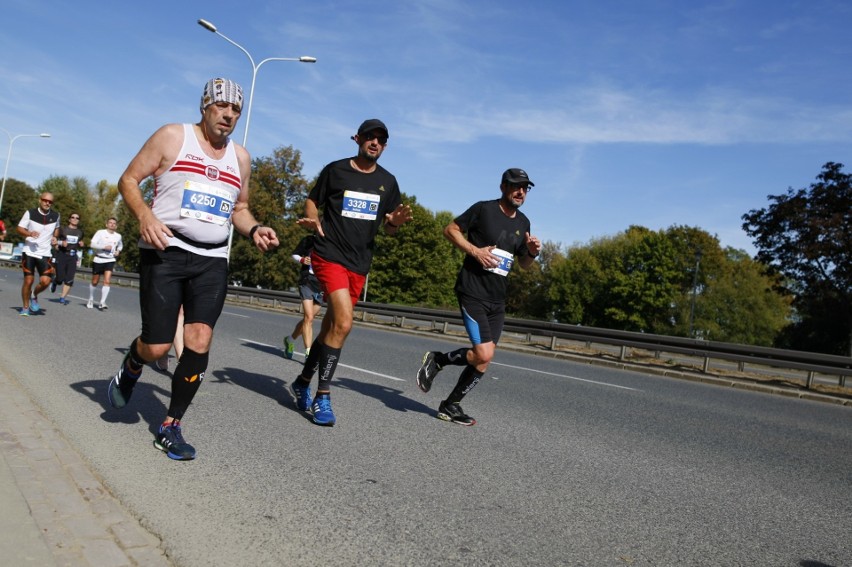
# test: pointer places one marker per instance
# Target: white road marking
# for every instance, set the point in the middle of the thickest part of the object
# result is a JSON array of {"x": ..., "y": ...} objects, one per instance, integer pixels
[
  {"x": 565, "y": 376},
  {"x": 395, "y": 379},
  {"x": 379, "y": 374},
  {"x": 236, "y": 315}
]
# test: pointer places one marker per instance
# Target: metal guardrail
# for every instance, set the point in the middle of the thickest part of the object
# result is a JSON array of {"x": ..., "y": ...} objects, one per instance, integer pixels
[
  {"x": 809, "y": 362},
  {"x": 552, "y": 333}
]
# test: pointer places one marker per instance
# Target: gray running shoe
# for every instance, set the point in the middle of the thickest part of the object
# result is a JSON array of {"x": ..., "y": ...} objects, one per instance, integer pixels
[
  {"x": 454, "y": 413},
  {"x": 427, "y": 371},
  {"x": 121, "y": 386}
]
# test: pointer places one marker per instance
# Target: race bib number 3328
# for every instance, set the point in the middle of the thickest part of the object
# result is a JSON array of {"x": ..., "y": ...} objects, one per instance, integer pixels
[{"x": 364, "y": 206}]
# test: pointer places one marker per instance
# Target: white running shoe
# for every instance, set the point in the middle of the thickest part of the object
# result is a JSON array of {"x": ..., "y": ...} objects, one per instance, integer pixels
[{"x": 90, "y": 304}]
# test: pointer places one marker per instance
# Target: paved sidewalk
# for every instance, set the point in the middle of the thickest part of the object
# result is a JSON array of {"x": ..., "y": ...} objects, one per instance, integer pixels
[{"x": 55, "y": 511}]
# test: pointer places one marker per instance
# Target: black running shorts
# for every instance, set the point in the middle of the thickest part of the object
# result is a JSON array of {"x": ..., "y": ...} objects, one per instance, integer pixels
[
  {"x": 31, "y": 264},
  {"x": 173, "y": 277},
  {"x": 483, "y": 320},
  {"x": 102, "y": 267}
]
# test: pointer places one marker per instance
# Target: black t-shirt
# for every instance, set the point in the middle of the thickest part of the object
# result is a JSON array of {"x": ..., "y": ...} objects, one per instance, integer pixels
[
  {"x": 72, "y": 237},
  {"x": 354, "y": 206},
  {"x": 486, "y": 225}
]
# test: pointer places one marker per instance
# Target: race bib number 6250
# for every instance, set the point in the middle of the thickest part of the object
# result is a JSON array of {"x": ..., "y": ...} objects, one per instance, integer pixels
[{"x": 206, "y": 203}]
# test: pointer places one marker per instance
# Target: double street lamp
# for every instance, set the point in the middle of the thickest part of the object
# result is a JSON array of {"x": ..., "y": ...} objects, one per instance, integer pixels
[
  {"x": 9, "y": 158},
  {"x": 254, "y": 68}
]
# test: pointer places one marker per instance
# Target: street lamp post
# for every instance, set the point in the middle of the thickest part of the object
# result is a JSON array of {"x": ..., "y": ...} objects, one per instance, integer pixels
[
  {"x": 9, "y": 158},
  {"x": 694, "y": 293},
  {"x": 254, "y": 68}
]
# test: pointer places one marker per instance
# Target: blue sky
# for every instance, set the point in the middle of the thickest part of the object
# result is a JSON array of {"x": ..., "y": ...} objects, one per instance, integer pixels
[{"x": 655, "y": 113}]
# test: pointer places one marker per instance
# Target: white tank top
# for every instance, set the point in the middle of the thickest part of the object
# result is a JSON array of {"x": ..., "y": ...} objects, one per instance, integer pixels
[{"x": 195, "y": 198}]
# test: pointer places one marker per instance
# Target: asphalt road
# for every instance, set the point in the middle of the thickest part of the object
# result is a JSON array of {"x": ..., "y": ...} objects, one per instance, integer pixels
[{"x": 569, "y": 464}]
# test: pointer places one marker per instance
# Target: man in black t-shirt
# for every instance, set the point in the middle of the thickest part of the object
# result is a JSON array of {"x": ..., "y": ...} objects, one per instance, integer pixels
[
  {"x": 497, "y": 233},
  {"x": 69, "y": 240},
  {"x": 357, "y": 197}
]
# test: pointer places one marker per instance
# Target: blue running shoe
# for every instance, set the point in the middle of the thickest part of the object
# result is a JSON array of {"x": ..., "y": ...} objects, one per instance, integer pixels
[
  {"x": 34, "y": 306},
  {"x": 121, "y": 386},
  {"x": 170, "y": 440},
  {"x": 321, "y": 409},
  {"x": 289, "y": 347},
  {"x": 63, "y": 301},
  {"x": 25, "y": 312},
  {"x": 302, "y": 395}
]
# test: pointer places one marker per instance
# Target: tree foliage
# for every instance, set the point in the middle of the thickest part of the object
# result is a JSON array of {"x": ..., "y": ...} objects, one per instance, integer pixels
[
  {"x": 417, "y": 266},
  {"x": 673, "y": 282},
  {"x": 805, "y": 235},
  {"x": 17, "y": 198},
  {"x": 277, "y": 199}
]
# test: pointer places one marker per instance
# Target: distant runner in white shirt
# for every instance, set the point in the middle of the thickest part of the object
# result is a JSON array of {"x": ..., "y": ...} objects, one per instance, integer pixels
[
  {"x": 107, "y": 245},
  {"x": 38, "y": 226}
]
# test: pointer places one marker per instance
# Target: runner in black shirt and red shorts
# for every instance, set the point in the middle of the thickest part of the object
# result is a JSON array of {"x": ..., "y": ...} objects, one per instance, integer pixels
[
  {"x": 357, "y": 197},
  {"x": 497, "y": 233}
]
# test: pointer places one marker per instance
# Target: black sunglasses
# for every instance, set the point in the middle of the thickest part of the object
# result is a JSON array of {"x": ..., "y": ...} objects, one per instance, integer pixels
[{"x": 372, "y": 136}]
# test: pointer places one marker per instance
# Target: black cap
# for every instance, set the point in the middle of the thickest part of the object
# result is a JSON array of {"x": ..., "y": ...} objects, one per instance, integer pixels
[
  {"x": 372, "y": 124},
  {"x": 516, "y": 175}
]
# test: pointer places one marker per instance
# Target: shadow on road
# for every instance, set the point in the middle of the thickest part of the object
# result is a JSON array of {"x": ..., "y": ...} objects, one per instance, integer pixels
[
  {"x": 391, "y": 397},
  {"x": 144, "y": 405}
]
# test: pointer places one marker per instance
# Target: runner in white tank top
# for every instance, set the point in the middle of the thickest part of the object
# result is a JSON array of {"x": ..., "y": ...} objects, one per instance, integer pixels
[
  {"x": 196, "y": 195},
  {"x": 202, "y": 188}
]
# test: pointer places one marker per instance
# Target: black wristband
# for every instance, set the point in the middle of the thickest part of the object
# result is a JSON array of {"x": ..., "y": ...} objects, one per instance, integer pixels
[
  {"x": 253, "y": 230},
  {"x": 389, "y": 223}
]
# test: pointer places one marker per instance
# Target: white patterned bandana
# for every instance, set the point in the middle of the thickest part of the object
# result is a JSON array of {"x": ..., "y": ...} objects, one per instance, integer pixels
[{"x": 221, "y": 90}]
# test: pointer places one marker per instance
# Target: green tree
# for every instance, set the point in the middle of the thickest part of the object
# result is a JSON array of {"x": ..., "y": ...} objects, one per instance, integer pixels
[
  {"x": 649, "y": 281},
  {"x": 417, "y": 266},
  {"x": 527, "y": 293},
  {"x": 17, "y": 198},
  {"x": 573, "y": 282},
  {"x": 643, "y": 285},
  {"x": 60, "y": 187},
  {"x": 740, "y": 303},
  {"x": 70, "y": 196},
  {"x": 128, "y": 227},
  {"x": 805, "y": 235},
  {"x": 277, "y": 197}
]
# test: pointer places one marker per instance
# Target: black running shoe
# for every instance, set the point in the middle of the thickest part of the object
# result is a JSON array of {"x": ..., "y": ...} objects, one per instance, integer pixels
[
  {"x": 427, "y": 371},
  {"x": 454, "y": 413},
  {"x": 53, "y": 286},
  {"x": 170, "y": 440},
  {"x": 121, "y": 386}
]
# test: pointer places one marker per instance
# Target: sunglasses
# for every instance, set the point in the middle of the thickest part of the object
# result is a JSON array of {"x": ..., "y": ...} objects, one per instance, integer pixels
[
  {"x": 371, "y": 136},
  {"x": 523, "y": 186},
  {"x": 47, "y": 201},
  {"x": 73, "y": 217}
]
